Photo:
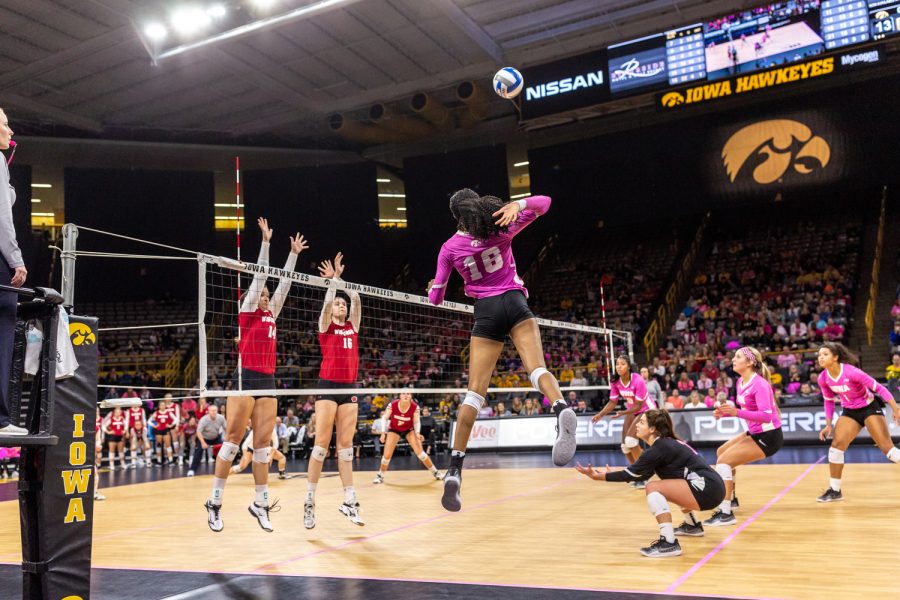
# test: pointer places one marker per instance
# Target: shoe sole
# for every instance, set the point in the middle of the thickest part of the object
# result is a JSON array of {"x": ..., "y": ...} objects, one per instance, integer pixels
[
  {"x": 665, "y": 555},
  {"x": 829, "y": 500},
  {"x": 565, "y": 445},
  {"x": 720, "y": 524},
  {"x": 451, "y": 500},
  {"x": 686, "y": 534},
  {"x": 250, "y": 510}
]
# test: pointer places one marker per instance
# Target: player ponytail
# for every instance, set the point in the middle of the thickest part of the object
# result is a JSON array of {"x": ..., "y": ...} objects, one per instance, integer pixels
[
  {"x": 842, "y": 353},
  {"x": 660, "y": 420},
  {"x": 474, "y": 214}
]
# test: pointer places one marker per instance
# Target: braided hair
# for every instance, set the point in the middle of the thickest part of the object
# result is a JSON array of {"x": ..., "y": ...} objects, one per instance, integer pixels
[{"x": 474, "y": 214}]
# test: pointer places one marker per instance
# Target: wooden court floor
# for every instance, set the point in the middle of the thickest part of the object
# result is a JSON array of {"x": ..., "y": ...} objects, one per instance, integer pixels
[{"x": 533, "y": 527}]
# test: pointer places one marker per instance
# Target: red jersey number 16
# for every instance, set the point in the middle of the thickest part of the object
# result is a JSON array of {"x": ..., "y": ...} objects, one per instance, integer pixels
[{"x": 348, "y": 343}]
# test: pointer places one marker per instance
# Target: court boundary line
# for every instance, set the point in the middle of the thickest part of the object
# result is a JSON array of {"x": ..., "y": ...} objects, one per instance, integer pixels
[{"x": 721, "y": 545}]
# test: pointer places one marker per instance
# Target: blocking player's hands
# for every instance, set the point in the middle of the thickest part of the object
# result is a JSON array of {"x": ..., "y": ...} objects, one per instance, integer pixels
[
  {"x": 298, "y": 244},
  {"x": 429, "y": 286},
  {"x": 507, "y": 214},
  {"x": 826, "y": 432},
  {"x": 339, "y": 265},
  {"x": 264, "y": 228},
  {"x": 597, "y": 474}
]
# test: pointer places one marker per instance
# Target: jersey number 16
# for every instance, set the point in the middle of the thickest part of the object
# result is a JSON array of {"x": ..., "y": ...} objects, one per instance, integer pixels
[{"x": 491, "y": 260}]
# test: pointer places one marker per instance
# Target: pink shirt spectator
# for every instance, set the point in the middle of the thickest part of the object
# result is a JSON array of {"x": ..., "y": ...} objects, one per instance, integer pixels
[
  {"x": 756, "y": 405},
  {"x": 486, "y": 266},
  {"x": 854, "y": 387}
]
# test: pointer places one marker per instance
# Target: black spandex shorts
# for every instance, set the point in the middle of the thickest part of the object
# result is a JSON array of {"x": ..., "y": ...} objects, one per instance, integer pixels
[
  {"x": 163, "y": 431},
  {"x": 861, "y": 414},
  {"x": 769, "y": 442},
  {"x": 254, "y": 380},
  {"x": 113, "y": 439},
  {"x": 343, "y": 398},
  {"x": 495, "y": 316},
  {"x": 402, "y": 434},
  {"x": 712, "y": 492}
]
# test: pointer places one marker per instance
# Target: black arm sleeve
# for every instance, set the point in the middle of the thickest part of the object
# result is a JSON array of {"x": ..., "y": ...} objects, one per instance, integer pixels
[{"x": 644, "y": 468}]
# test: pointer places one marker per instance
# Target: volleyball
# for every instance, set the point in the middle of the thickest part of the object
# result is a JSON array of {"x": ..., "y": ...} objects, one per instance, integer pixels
[{"x": 508, "y": 82}]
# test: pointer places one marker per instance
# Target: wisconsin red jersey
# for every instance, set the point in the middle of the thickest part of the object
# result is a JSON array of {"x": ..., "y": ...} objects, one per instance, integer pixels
[
  {"x": 340, "y": 353},
  {"x": 136, "y": 417},
  {"x": 165, "y": 419},
  {"x": 257, "y": 346},
  {"x": 403, "y": 420},
  {"x": 117, "y": 425}
]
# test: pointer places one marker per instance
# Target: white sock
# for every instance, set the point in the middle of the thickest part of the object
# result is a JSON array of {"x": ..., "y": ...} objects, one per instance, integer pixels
[
  {"x": 667, "y": 531},
  {"x": 311, "y": 491},
  {"x": 218, "y": 491},
  {"x": 690, "y": 518},
  {"x": 349, "y": 495},
  {"x": 433, "y": 469},
  {"x": 835, "y": 484},
  {"x": 459, "y": 453},
  {"x": 725, "y": 507},
  {"x": 262, "y": 495}
]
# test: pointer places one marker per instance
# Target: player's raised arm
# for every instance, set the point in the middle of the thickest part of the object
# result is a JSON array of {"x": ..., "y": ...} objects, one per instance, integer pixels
[
  {"x": 251, "y": 298},
  {"x": 437, "y": 287},
  {"x": 298, "y": 245}
]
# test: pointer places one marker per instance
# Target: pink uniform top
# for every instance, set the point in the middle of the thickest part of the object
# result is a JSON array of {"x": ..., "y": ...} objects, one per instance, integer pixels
[
  {"x": 487, "y": 266},
  {"x": 853, "y": 386},
  {"x": 756, "y": 405},
  {"x": 636, "y": 390}
]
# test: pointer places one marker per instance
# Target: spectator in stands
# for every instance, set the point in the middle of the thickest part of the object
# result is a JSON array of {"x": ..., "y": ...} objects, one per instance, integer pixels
[
  {"x": 895, "y": 338},
  {"x": 210, "y": 430},
  {"x": 531, "y": 408},
  {"x": 290, "y": 419},
  {"x": 378, "y": 429},
  {"x": 188, "y": 408},
  {"x": 486, "y": 412},
  {"x": 675, "y": 402},
  {"x": 581, "y": 408},
  {"x": 653, "y": 387},
  {"x": 798, "y": 332},
  {"x": 427, "y": 424},
  {"x": 501, "y": 410},
  {"x": 694, "y": 401},
  {"x": 282, "y": 434},
  {"x": 517, "y": 406},
  {"x": 685, "y": 384},
  {"x": 566, "y": 375},
  {"x": 893, "y": 369},
  {"x": 704, "y": 383},
  {"x": 572, "y": 398}
]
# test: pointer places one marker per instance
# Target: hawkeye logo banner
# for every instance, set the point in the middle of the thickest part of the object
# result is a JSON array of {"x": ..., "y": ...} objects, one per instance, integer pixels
[
  {"x": 748, "y": 83},
  {"x": 768, "y": 150}
]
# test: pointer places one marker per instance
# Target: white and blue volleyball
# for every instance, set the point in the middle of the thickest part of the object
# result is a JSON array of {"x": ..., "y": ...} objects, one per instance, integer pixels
[{"x": 508, "y": 82}]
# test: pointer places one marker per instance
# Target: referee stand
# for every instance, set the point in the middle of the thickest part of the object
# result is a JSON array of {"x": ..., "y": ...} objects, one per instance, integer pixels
[{"x": 56, "y": 468}]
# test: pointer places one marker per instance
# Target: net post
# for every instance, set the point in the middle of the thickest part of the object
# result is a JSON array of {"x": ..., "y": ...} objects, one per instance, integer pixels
[
  {"x": 201, "y": 323},
  {"x": 70, "y": 237}
]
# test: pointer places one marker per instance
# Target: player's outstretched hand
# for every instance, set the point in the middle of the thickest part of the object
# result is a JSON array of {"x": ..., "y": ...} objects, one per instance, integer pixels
[
  {"x": 507, "y": 214},
  {"x": 326, "y": 269},
  {"x": 264, "y": 227},
  {"x": 339, "y": 264},
  {"x": 589, "y": 471},
  {"x": 298, "y": 244}
]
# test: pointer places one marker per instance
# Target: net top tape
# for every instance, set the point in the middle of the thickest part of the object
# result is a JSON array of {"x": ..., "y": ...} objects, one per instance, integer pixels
[{"x": 368, "y": 290}]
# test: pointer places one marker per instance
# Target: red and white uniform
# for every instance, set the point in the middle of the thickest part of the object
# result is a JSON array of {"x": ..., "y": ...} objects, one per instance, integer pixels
[
  {"x": 166, "y": 419},
  {"x": 258, "y": 337},
  {"x": 137, "y": 421},
  {"x": 340, "y": 353},
  {"x": 117, "y": 425},
  {"x": 99, "y": 432},
  {"x": 403, "y": 421}
]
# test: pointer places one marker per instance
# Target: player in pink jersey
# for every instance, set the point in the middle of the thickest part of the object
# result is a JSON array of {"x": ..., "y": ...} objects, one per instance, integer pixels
[
  {"x": 840, "y": 380},
  {"x": 631, "y": 387},
  {"x": 481, "y": 252},
  {"x": 256, "y": 347},
  {"x": 339, "y": 324},
  {"x": 756, "y": 405},
  {"x": 402, "y": 420}
]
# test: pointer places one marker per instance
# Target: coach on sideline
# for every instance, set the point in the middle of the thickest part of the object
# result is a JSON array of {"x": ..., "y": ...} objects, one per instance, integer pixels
[
  {"x": 12, "y": 270},
  {"x": 210, "y": 430}
]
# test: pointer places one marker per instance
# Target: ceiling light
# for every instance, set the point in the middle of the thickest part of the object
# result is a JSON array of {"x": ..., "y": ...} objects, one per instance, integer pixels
[
  {"x": 518, "y": 196},
  {"x": 401, "y": 208},
  {"x": 41, "y": 185},
  {"x": 35, "y": 200},
  {"x": 521, "y": 164},
  {"x": 155, "y": 31},
  {"x": 262, "y": 4},
  {"x": 383, "y": 180},
  {"x": 43, "y": 214},
  {"x": 216, "y": 11},
  {"x": 189, "y": 20},
  {"x": 392, "y": 195}
]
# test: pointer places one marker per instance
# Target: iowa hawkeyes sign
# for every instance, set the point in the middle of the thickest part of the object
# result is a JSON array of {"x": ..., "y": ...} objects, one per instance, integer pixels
[{"x": 768, "y": 150}]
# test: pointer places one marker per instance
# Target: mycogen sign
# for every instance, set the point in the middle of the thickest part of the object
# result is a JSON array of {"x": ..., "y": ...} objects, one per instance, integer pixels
[{"x": 748, "y": 83}]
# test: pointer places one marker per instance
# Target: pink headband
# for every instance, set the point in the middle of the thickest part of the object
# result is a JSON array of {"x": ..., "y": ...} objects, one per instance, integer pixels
[{"x": 748, "y": 354}]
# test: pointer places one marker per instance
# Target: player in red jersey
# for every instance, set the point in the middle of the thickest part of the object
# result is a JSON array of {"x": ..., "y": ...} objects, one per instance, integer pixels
[
  {"x": 256, "y": 373},
  {"x": 166, "y": 419},
  {"x": 98, "y": 455},
  {"x": 402, "y": 421},
  {"x": 137, "y": 433},
  {"x": 115, "y": 426},
  {"x": 338, "y": 338}
]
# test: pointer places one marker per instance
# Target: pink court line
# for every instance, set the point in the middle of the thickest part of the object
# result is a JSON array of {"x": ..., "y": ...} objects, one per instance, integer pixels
[
  {"x": 678, "y": 582},
  {"x": 416, "y": 524}
]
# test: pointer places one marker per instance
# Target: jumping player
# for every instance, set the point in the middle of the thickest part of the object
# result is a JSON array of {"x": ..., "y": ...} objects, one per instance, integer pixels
[
  {"x": 685, "y": 479},
  {"x": 115, "y": 426},
  {"x": 840, "y": 379},
  {"x": 764, "y": 436},
  {"x": 402, "y": 420},
  {"x": 481, "y": 252},
  {"x": 631, "y": 386},
  {"x": 257, "y": 344},
  {"x": 338, "y": 338}
]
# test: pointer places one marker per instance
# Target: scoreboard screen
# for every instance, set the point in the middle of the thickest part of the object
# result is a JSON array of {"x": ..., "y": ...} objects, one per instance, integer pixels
[{"x": 884, "y": 17}]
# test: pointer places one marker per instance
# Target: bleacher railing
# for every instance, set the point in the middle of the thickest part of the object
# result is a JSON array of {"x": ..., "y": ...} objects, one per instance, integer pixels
[
  {"x": 876, "y": 268},
  {"x": 657, "y": 328}
]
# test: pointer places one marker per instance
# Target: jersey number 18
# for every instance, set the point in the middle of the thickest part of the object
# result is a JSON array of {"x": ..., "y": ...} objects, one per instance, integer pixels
[{"x": 491, "y": 260}]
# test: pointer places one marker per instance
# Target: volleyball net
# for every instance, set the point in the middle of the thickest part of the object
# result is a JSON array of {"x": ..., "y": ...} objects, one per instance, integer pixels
[{"x": 404, "y": 341}]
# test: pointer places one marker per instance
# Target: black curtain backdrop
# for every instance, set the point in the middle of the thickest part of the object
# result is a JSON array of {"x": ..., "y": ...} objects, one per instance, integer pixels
[
  {"x": 334, "y": 207},
  {"x": 168, "y": 207},
  {"x": 20, "y": 177},
  {"x": 430, "y": 181},
  {"x": 678, "y": 168}
]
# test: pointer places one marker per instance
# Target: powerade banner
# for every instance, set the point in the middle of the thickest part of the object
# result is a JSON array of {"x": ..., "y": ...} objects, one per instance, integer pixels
[
  {"x": 563, "y": 85},
  {"x": 800, "y": 425},
  {"x": 66, "y": 503},
  {"x": 761, "y": 80}
]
